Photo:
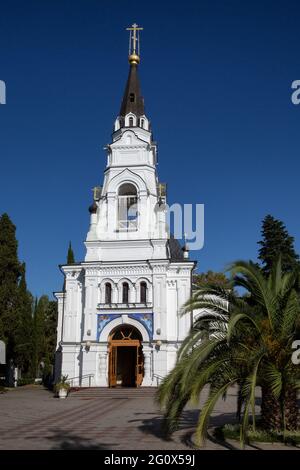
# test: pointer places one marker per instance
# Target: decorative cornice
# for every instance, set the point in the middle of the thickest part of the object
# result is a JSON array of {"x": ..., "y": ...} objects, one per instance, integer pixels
[
  {"x": 179, "y": 271},
  {"x": 120, "y": 270},
  {"x": 129, "y": 147},
  {"x": 131, "y": 305}
]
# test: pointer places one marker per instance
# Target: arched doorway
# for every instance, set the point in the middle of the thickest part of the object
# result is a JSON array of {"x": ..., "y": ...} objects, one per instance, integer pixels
[{"x": 126, "y": 359}]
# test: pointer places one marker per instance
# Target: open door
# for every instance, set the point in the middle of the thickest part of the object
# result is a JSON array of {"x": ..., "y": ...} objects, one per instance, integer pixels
[
  {"x": 126, "y": 359},
  {"x": 113, "y": 366},
  {"x": 139, "y": 366}
]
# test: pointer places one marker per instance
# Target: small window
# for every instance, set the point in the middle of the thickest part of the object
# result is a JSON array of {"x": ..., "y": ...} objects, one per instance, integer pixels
[
  {"x": 125, "y": 293},
  {"x": 108, "y": 293},
  {"x": 142, "y": 123},
  {"x": 143, "y": 292},
  {"x": 131, "y": 122},
  {"x": 132, "y": 97}
]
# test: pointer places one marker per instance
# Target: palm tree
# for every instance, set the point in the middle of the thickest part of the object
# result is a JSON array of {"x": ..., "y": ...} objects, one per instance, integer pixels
[{"x": 244, "y": 341}]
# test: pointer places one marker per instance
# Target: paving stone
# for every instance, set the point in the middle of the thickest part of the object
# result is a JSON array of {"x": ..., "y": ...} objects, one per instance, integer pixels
[{"x": 31, "y": 418}]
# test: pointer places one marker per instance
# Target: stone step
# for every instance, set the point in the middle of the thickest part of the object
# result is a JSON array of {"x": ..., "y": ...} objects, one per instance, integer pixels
[{"x": 101, "y": 392}]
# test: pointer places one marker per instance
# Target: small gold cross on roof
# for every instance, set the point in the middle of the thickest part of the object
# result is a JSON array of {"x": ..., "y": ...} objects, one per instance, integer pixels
[{"x": 134, "y": 40}]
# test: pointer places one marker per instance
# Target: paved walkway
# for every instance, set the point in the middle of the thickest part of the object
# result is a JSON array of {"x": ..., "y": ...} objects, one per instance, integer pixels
[{"x": 31, "y": 418}]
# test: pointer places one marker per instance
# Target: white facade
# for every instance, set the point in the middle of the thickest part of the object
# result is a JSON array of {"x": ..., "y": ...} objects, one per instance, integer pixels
[{"x": 127, "y": 244}]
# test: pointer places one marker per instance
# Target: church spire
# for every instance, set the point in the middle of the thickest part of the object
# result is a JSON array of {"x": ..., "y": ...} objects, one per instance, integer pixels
[{"x": 133, "y": 102}]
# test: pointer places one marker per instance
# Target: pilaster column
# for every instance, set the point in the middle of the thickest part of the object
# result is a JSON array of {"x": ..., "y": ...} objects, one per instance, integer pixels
[
  {"x": 147, "y": 380},
  {"x": 103, "y": 368},
  {"x": 133, "y": 294},
  {"x": 111, "y": 215}
]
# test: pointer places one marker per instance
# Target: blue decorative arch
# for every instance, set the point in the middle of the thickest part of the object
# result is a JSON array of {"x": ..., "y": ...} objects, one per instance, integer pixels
[
  {"x": 146, "y": 319},
  {"x": 102, "y": 320}
]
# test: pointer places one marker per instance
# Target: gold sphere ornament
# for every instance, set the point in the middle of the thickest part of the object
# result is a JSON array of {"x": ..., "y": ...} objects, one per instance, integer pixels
[{"x": 134, "y": 59}]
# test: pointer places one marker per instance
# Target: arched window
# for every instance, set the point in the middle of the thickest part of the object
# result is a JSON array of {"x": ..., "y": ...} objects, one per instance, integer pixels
[
  {"x": 127, "y": 210},
  {"x": 108, "y": 293},
  {"x": 143, "y": 288},
  {"x": 142, "y": 122},
  {"x": 125, "y": 293},
  {"x": 131, "y": 122}
]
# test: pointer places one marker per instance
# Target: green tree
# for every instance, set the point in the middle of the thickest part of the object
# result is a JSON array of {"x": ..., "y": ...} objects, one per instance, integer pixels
[
  {"x": 276, "y": 241},
  {"x": 24, "y": 326},
  {"x": 45, "y": 319},
  {"x": 10, "y": 273},
  {"x": 50, "y": 333},
  {"x": 244, "y": 341},
  {"x": 39, "y": 331},
  {"x": 211, "y": 277},
  {"x": 70, "y": 256}
]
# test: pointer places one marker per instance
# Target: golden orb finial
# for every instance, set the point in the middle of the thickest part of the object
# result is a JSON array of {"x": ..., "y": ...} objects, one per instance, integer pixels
[{"x": 134, "y": 59}]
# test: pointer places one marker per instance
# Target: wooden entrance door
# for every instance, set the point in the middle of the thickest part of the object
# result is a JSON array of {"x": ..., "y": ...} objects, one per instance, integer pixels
[
  {"x": 113, "y": 355},
  {"x": 139, "y": 366},
  {"x": 122, "y": 348}
]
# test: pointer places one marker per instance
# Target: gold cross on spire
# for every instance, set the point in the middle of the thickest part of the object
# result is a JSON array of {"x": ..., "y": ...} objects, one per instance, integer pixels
[{"x": 134, "y": 43}]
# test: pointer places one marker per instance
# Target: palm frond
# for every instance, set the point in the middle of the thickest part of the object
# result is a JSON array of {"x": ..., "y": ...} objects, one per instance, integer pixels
[
  {"x": 274, "y": 379},
  {"x": 290, "y": 314},
  {"x": 249, "y": 276},
  {"x": 214, "y": 394}
]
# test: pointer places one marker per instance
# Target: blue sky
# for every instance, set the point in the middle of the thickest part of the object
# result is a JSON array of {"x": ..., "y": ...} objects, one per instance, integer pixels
[{"x": 216, "y": 77}]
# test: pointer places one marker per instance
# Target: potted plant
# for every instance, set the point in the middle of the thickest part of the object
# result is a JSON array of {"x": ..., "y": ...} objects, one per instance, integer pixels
[{"x": 62, "y": 388}]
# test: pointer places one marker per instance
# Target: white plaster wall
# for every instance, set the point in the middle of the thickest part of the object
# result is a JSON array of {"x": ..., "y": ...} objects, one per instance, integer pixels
[{"x": 71, "y": 362}]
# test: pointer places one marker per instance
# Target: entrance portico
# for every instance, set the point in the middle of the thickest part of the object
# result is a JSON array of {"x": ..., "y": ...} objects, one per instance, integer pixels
[
  {"x": 126, "y": 354},
  {"x": 126, "y": 359}
]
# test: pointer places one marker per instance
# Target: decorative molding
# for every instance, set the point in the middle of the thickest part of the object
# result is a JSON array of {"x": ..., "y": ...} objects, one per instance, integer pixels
[
  {"x": 73, "y": 275},
  {"x": 179, "y": 271},
  {"x": 130, "y": 147},
  {"x": 92, "y": 272},
  {"x": 124, "y": 270},
  {"x": 171, "y": 282},
  {"x": 159, "y": 269},
  {"x": 121, "y": 306}
]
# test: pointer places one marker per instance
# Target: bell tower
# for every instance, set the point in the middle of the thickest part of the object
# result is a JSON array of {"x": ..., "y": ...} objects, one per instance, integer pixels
[
  {"x": 128, "y": 210},
  {"x": 120, "y": 321}
]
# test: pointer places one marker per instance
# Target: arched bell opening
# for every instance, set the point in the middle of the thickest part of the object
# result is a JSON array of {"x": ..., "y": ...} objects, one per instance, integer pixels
[
  {"x": 126, "y": 359},
  {"x": 127, "y": 207}
]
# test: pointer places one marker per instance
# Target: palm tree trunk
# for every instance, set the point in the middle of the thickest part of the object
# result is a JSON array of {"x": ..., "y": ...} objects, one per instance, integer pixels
[
  {"x": 271, "y": 416},
  {"x": 291, "y": 409},
  {"x": 271, "y": 410}
]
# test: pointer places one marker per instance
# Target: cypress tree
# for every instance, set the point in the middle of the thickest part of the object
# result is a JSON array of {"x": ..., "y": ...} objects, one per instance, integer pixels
[
  {"x": 10, "y": 273},
  {"x": 276, "y": 241},
  {"x": 45, "y": 321},
  {"x": 40, "y": 331},
  {"x": 24, "y": 327},
  {"x": 34, "y": 341},
  {"x": 50, "y": 343},
  {"x": 70, "y": 256}
]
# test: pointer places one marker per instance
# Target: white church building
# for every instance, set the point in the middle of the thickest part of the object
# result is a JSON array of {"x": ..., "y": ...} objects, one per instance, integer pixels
[{"x": 119, "y": 321}]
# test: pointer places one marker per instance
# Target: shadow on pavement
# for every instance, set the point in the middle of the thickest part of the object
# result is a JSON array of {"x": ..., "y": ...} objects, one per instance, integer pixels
[
  {"x": 64, "y": 440},
  {"x": 154, "y": 424}
]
